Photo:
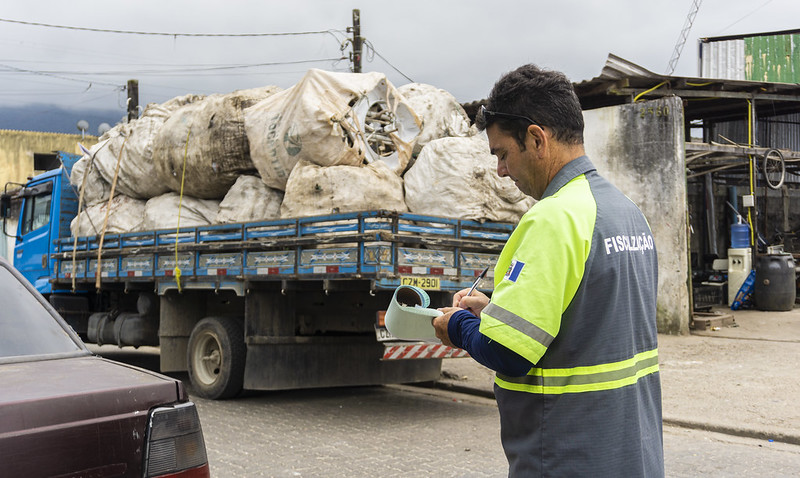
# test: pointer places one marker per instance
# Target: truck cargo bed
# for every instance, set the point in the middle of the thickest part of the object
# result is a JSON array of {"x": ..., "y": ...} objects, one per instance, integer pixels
[{"x": 383, "y": 247}]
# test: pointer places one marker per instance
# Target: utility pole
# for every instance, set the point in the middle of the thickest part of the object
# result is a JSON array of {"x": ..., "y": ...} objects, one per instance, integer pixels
[
  {"x": 133, "y": 100},
  {"x": 357, "y": 41}
]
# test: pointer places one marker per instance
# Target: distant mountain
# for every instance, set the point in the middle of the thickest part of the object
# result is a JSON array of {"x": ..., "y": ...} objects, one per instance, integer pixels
[{"x": 55, "y": 119}]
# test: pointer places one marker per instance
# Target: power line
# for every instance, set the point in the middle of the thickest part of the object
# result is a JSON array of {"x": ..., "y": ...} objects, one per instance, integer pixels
[
  {"x": 60, "y": 77},
  {"x": 747, "y": 15},
  {"x": 372, "y": 47},
  {"x": 168, "y": 34},
  {"x": 190, "y": 69}
]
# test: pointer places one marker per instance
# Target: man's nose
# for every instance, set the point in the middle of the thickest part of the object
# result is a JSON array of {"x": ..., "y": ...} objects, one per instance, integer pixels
[{"x": 502, "y": 171}]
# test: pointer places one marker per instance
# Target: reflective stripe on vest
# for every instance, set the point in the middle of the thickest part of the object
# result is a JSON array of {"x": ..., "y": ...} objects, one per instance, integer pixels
[
  {"x": 513, "y": 320},
  {"x": 608, "y": 376}
]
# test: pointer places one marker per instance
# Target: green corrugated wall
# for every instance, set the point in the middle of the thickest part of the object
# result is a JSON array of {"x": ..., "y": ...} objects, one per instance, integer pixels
[{"x": 773, "y": 58}]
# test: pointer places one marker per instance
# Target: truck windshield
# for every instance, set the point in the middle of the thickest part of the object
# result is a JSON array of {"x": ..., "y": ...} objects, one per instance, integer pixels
[
  {"x": 26, "y": 327},
  {"x": 36, "y": 213}
]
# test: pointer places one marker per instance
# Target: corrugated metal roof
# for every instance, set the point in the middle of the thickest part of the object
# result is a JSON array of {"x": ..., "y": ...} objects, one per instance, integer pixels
[
  {"x": 724, "y": 59},
  {"x": 765, "y": 57},
  {"x": 617, "y": 68},
  {"x": 749, "y": 35},
  {"x": 720, "y": 105},
  {"x": 620, "y": 81}
]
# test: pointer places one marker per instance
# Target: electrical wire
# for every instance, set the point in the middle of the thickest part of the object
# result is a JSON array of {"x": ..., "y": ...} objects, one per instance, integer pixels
[
  {"x": 52, "y": 75},
  {"x": 369, "y": 45},
  {"x": 172, "y": 70},
  {"x": 168, "y": 34},
  {"x": 635, "y": 99},
  {"x": 747, "y": 15},
  {"x": 68, "y": 75},
  {"x": 193, "y": 69}
]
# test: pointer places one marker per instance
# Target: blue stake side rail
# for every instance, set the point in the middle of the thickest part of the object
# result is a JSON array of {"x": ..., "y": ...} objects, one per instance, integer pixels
[{"x": 379, "y": 246}]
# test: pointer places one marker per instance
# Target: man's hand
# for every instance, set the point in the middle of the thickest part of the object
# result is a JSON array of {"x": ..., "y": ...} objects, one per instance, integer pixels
[
  {"x": 440, "y": 325},
  {"x": 474, "y": 303}
]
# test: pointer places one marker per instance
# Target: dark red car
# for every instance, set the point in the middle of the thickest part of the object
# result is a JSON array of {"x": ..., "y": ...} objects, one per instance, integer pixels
[{"x": 65, "y": 412}]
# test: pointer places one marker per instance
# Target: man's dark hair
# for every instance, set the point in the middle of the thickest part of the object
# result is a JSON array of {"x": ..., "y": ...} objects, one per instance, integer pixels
[{"x": 546, "y": 97}]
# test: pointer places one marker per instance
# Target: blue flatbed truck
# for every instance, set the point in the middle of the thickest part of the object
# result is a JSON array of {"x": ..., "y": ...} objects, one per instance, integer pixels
[{"x": 281, "y": 304}]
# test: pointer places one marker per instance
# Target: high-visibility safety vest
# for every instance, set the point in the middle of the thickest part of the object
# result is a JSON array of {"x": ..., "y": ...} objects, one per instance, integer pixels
[{"x": 575, "y": 294}]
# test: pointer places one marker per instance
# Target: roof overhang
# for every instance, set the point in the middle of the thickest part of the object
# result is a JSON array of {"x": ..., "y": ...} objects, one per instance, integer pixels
[{"x": 708, "y": 99}]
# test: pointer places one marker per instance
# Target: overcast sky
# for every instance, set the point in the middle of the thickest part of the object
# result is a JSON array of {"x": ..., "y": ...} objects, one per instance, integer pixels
[{"x": 461, "y": 46}]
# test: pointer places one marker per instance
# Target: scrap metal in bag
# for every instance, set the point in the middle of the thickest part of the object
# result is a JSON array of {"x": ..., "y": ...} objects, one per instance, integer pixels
[{"x": 331, "y": 119}]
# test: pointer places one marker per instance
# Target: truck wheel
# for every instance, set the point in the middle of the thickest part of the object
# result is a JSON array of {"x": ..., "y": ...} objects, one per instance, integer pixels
[{"x": 216, "y": 357}]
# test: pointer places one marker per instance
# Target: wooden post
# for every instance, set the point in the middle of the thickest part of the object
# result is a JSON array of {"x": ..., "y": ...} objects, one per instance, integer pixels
[
  {"x": 133, "y": 100},
  {"x": 357, "y": 41}
]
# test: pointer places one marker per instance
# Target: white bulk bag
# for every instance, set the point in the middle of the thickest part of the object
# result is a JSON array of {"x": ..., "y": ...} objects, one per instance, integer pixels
[
  {"x": 217, "y": 151},
  {"x": 86, "y": 176},
  {"x": 166, "y": 108},
  {"x": 441, "y": 114},
  {"x": 132, "y": 145},
  {"x": 331, "y": 119},
  {"x": 126, "y": 215},
  {"x": 315, "y": 190},
  {"x": 161, "y": 212},
  {"x": 457, "y": 177},
  {"x": 249, "y": 199}
]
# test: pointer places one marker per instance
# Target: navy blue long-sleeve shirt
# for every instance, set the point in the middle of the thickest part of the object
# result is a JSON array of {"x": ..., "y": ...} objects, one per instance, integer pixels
[{"x": 463, "y": 331}]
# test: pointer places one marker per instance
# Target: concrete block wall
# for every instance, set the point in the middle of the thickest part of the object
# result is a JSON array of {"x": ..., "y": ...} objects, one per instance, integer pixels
[{"x": 640, "y": 148}]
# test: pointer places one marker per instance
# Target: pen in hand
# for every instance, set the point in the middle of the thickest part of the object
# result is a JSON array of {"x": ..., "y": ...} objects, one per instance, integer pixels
[{"x": 477, "y": 281}]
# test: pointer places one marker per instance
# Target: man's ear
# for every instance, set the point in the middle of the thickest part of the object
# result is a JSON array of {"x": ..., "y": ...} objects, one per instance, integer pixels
[{"x": 536, "y": 137}]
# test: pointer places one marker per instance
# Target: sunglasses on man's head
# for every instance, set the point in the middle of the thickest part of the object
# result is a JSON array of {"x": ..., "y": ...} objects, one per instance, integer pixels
[{"x": 484, "y": 114}]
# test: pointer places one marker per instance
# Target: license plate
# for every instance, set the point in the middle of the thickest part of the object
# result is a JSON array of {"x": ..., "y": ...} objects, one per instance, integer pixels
[
  {"x": 383, "y": 335},
  {"x": 427, "y": 283}
]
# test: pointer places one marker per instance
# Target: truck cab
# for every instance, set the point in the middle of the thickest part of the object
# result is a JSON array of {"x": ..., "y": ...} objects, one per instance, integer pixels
[{"x": 48, "y": 205}]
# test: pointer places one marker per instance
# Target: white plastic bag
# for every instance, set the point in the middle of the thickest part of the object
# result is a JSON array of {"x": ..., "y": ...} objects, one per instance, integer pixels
[
  {"x": 249, "y": 199},
  {"x": 126, "y": 215},
  {"x": 441, "y": 114},
  {"x": 217, "y": 151},
  {"x": 331, "y": 119},
  {"x": 132, "y": 145},
  {"x": 457, "y": 177},
  {"x": 161, "y": 212},
  {"x": 86, "y": 176},
  {"x": 314, "y": 190}
]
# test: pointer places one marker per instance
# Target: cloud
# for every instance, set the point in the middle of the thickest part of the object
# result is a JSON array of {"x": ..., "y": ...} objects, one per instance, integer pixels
[{"x": 461, "y": 46}]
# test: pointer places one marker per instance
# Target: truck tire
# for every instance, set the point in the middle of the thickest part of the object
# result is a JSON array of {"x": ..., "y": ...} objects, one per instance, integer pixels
[{"x": 216, "y": 357}]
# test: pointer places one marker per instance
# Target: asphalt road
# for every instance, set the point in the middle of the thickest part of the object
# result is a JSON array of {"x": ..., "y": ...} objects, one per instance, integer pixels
[{"x": 403, "y": 431}]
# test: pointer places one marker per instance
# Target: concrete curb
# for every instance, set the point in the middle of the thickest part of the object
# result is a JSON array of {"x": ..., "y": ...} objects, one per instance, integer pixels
[
  {"x": 792, "y": 439},
  {"x": 455, "y": 387},
  {"x": 768, "y": 435}
]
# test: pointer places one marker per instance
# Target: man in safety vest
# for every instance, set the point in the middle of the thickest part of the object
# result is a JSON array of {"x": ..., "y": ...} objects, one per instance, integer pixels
[{"x": 571, "y": 325}]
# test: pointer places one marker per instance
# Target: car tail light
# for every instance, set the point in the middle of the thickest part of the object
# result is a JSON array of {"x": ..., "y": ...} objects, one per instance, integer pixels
[{"x": 175, "y": 445}]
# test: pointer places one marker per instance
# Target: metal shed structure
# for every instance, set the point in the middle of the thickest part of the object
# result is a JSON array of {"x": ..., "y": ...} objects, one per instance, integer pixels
[
  {"x": 743, "y": 142},
  {"x": 730, "y": 126}
]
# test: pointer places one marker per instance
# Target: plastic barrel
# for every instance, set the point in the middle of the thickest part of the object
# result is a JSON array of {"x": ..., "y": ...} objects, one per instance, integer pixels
[
  {"x": 740, "y": 236},
  {"x": 775, "y": 287}
]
